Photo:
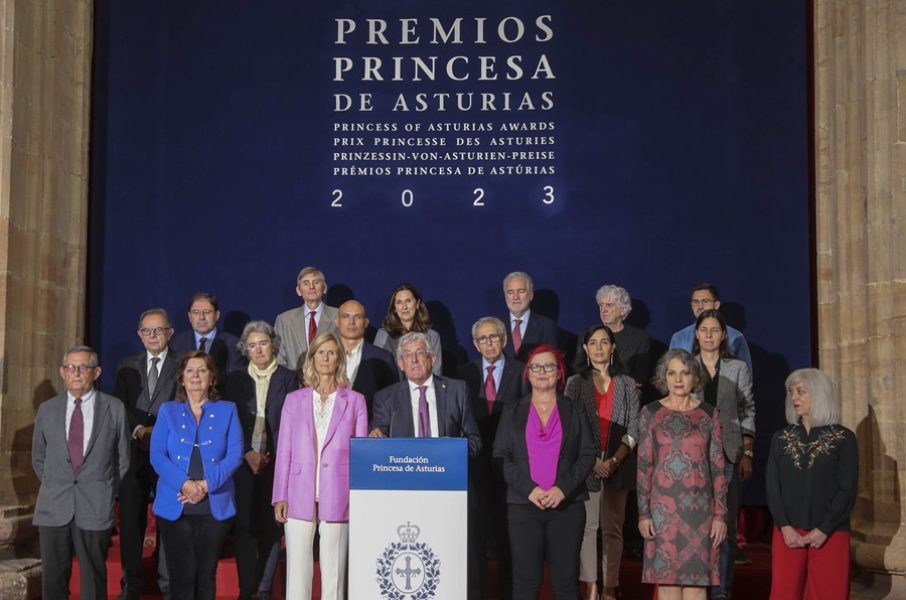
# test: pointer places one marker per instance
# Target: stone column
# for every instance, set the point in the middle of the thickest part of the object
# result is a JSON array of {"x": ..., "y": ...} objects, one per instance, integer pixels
[
  {"x": 45, "y": 85},
  {"x": 860, "y": 160}
]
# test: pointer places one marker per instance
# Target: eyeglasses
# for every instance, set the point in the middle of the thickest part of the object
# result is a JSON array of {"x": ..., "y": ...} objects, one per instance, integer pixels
[
  {"x": 147, "y": 331},
  {"x": 78, "y": 368},
  {"x": 262, "y": 344},
  {"x": 705, "y": 302},
  {"x": 492, "y": 338},
  {"x": 419, "y": 354},
  {"x": 538, "y": 368},
  {"x": 197, "y": 312}
]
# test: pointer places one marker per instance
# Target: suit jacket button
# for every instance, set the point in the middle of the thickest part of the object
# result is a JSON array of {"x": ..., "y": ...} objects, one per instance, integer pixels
[
  {"x": 178, "y": 458},
  {"x": 75, "y": 482}
]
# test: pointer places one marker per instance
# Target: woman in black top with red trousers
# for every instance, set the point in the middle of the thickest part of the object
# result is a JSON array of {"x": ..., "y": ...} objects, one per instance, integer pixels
[{"x": 812, "y": 474}]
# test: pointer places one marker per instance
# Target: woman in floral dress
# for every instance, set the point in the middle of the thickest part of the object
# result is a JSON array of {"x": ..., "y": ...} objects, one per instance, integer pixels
[{"x": 681, "y": 484}]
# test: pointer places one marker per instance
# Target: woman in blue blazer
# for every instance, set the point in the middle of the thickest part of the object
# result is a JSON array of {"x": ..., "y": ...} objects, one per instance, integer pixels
[{"x": 196, "y": 445}]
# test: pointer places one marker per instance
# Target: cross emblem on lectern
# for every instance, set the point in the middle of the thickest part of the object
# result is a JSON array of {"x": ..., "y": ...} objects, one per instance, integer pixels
[{"x": 408, "y": 572}]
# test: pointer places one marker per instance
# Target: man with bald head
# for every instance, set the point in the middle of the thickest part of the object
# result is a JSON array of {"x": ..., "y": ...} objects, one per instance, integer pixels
[{"x": 368, "y": 367}]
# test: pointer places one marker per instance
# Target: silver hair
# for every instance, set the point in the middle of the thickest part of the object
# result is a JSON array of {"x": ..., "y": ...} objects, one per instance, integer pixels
[
  {"x": 615, "y": 291},
  {"x": 408, "y": 338},
  {"x": 258, "y": 327},
  {"x": 825, "y": 409},
  {"x": 520, "y": 275},
  {"x": 311, "y": 271},
  {"x": 660, "y": 371},
  {"x": 154, "y": 311},
  {"x": 92, "y": 361},
  {"x": 497, "y": 323}
]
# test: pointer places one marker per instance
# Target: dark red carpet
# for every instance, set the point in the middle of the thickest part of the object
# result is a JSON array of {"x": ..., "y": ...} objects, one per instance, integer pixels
[{"x": 752, "y": 582}]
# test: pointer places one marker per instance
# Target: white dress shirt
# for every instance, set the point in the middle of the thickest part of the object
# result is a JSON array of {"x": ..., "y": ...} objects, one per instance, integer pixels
[
  {"x": 353, "y": 360},
  {"x": 322, "y": 413},
  {"x": 87, "y": 416}
]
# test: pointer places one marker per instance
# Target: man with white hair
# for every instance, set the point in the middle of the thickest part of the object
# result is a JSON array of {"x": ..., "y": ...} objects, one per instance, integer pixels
[
  {"x": 633, "y": 344},
  {"x": 526, "y": 329},
  {"x": 424, "y": 404}
]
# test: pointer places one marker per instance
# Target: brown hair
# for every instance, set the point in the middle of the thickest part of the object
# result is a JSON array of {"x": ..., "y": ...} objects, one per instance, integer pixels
[
  {"x": 212, "y": 369},
  {"x": 392, "y": 323}
]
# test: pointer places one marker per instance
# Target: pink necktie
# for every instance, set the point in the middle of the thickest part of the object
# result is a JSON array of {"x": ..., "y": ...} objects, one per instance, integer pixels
[
  {"x": 424, "y": 420},
  {"x": 76, "y": 436},
  {"x": 517, "y": 336},
  {"x": 490, "y": 390}
]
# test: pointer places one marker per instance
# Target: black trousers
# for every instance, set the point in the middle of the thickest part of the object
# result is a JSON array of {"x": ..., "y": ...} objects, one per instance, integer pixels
[
  {"x": 555, "y": 535},
  {"x": 193, "y": 543},
  {"x": 135, "y": 495},
  {"x": 255, "y": 529},
  {"x": 57, "y": 547},
  {"x": 487, "y": 522}
]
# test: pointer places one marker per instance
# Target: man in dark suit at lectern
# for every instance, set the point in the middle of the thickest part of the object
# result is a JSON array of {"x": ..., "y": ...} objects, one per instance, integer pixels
[
  {"x": 493, "y": 381},
  {"x": 206, "y": 336},
  {"x": 423, "y": 404},
  {"x": 143, "y": 382},
  {"x": 527, "y": 329}
]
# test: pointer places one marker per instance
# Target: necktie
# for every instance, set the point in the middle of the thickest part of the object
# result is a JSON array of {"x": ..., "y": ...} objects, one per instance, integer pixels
[
  {"x": 490, "y": 390},
  {"x": 76, "y": 436},
  {"x": 153, "y": 376},
  {"x": 424, "y": 419},
  {"x": 312, "y": 327},
  {"x": 517, "y": 335},
  {"x": 201, "y": 344}
]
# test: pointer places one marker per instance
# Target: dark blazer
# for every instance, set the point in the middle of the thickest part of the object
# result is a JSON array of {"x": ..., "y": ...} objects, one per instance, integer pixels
[
  {"x": 577, "y": 450},
  {"x": 87, "y": 496},
  {"x": 223, "y": 349},
  {"x": 393, "y": 411},
  {"x": 510, "y": 390},
  {"x": 131, "y": 387},
  {"x": 624, "y": 421},
  {"x": 539, "y": 330},
  {"x": 376, "y": 371},
  {"x": 240, "y": 388}
]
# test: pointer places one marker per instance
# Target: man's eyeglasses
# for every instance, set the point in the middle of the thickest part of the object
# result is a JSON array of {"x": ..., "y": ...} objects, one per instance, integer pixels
[
  {"x": 492, "y": 338},
  {"x": 147, "y": 331},
  {"x": 78, "y": 368}
]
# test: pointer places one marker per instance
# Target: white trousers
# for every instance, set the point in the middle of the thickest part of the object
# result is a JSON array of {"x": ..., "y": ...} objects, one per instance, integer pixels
[{"x": 332, "y": 552}]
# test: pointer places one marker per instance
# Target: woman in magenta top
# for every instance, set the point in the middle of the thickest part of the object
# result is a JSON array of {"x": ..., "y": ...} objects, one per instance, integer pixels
[{"x": 545, "y": 445}]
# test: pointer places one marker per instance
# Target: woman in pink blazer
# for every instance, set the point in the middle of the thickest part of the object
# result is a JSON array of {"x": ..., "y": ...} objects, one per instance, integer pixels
[{"x": 311, "y": 478}]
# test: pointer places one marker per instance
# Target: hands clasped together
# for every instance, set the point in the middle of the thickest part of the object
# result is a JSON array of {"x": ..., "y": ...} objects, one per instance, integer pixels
[
  {"x": 813, "y": 539},
  {"x": 545, "y": 499},
  {"x": 193, "y": 491}
]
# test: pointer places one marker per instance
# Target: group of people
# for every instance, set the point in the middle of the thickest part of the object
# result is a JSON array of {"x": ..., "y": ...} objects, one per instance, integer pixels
[{"x": 250, "y": 437}]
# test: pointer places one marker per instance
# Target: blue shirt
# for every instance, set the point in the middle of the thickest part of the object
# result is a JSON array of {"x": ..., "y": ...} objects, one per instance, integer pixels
[
  {"x": 498, "y": 370},
  {"x": 209, "y": 337},
  {"x": 685, "y": 337}
]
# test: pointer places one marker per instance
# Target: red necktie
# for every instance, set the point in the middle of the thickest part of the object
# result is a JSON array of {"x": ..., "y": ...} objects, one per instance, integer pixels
[
  {"x": 76, "y": 436},
  {"x": 490, "y": 390},
  {"x": 312, "y": 327},
  {"x": 517, "y": 336}
]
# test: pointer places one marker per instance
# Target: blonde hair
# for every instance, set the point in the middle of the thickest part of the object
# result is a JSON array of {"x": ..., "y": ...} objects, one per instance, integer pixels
[
  {"x": 825, "y": 409},
  {"x": 310, "y": 374}
]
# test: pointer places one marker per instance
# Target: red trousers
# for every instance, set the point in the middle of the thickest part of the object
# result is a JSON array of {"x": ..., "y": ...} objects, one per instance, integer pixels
[{"x": 810, "y": 574}]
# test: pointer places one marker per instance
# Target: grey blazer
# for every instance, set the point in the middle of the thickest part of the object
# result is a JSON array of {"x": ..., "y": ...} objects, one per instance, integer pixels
[
  {"x": 290, "y": 326},
  {"x": 89, "y": 495},
  {"x": 735, "y": 405},
  {"x": 624, "y": 425}
]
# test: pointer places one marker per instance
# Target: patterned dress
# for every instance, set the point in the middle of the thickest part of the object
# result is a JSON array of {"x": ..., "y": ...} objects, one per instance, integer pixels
[{"x": 681, "y": 487}]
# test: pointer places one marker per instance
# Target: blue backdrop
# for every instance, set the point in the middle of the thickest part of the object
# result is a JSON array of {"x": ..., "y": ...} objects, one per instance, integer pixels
[{"x": 679, "y": 146}]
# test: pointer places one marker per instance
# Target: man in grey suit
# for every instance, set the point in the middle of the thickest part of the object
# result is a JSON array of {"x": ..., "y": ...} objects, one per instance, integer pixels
[
  {"x": 80, "y": 452},
  {"x": 423, "y": 404},
  {"x": 144, "y": 381},
  {"x": 298, "y": 327}
]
